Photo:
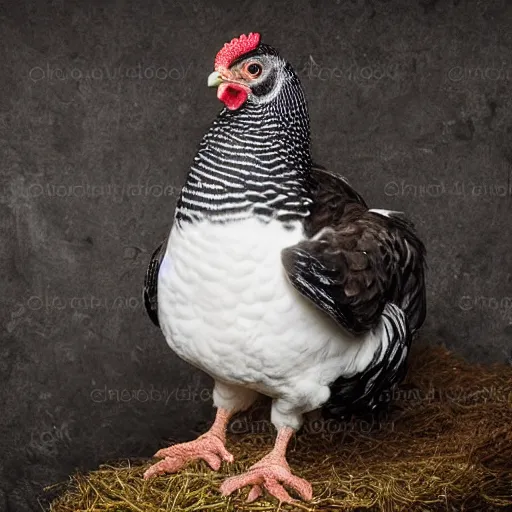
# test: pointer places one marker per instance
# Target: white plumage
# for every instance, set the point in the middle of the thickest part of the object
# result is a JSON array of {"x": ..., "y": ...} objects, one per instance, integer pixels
[{"x": 226, "y": 306}]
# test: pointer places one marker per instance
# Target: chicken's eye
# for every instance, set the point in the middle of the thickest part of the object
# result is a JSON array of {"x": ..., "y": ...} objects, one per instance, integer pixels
[{"x": 254, "y": 69}]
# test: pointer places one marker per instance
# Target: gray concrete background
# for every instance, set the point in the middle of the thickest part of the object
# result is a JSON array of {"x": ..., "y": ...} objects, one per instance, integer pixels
[{"x": 102, "y": 106}]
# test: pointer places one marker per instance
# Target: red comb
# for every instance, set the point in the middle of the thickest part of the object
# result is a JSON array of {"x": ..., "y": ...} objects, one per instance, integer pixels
[{"x": 236, "y": 48}]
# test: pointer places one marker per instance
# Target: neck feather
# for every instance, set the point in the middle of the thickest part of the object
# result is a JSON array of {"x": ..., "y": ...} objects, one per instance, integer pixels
[{"x": 254, "y": 161}]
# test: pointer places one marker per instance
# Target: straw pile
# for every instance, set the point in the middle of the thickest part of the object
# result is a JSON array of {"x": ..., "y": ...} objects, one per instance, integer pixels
[{"x": 444, "y": 445}]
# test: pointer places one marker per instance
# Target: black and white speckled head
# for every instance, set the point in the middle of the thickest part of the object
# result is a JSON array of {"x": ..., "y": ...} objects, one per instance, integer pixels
[
  {"x": 257, "y": 77},
  {"x": 255, "y": 158}
]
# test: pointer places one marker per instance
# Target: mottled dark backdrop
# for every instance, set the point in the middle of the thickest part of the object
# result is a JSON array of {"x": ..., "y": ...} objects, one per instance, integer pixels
[{"x": 102, "y": 105}]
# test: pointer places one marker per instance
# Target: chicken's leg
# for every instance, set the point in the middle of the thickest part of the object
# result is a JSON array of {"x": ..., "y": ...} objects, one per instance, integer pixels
[
  {"x": 271, "y": 472},
  {"x": 210, "y": 447}
]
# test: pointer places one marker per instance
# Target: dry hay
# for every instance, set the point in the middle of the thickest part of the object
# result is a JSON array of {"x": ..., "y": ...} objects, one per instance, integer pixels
[{"x": 446, "y": 444}]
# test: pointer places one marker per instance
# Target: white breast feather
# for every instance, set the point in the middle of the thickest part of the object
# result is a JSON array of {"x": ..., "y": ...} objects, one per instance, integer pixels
[{"x": 225, "y": 305}]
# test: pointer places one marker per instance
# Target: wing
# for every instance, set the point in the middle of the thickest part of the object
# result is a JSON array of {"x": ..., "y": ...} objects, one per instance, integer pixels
[
  {"x": 356, "y": 260},
  {"x": 151, "y": 282}
]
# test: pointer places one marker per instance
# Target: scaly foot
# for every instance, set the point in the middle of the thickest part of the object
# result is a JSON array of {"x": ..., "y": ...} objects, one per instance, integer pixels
[
  {"x": 268, "y": 473},
  {"x": 208, "y": 447}
]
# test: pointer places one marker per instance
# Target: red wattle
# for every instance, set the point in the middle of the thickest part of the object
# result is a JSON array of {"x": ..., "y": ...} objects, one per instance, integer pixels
[{"x": 232, "y": 95}]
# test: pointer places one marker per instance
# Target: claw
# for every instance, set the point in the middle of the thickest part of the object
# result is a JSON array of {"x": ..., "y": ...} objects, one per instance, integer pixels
[
  {"x": 207, "y": 447},
  {"x": 271, "y": 476}
]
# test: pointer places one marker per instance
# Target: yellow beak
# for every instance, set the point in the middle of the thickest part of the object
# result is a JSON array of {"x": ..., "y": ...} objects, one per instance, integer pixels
[{"x": 214, "y": 79}]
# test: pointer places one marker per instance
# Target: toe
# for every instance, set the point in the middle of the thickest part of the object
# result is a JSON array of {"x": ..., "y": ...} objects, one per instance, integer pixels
[
  {"x": 168, "y": 465},
  {"x": 228, "y": 486},
  {"x": 283, "y": 474},
  {"x": 161, "y": 454},
  {"x": 303, "y": 487},
  {"x": 236, "y": 482},
  {"x": 278, "y": 491},
  {"x": 212, "y": 459},
  {"x": 255, "y": 493},
  {"x": 151, "y": 472},
  {"x": 215, "y": 445},
  {"x": 226, "y": 456}
]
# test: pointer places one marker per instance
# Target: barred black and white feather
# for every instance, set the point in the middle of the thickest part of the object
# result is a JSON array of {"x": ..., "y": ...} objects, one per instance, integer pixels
[{"x": 253, "y": 162}]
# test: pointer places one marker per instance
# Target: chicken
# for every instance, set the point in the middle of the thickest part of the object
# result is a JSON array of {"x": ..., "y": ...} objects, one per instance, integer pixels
[{"x": 276, "y": 278}]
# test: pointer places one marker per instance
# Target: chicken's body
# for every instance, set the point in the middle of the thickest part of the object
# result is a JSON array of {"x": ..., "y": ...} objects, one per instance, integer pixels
[
  {"x": 276, "y": 278},
  {"x": 227, "y": 307}
]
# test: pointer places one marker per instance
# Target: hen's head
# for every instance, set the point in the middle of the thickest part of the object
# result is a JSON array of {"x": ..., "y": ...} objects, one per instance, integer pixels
[{"x": 246, "y": 70}]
